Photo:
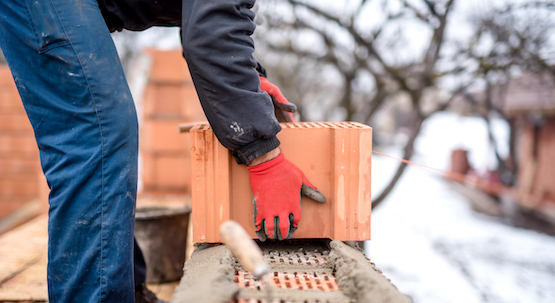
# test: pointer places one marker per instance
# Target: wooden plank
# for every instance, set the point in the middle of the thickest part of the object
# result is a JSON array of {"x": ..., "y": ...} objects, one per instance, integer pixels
[{"x": 23, "y": 259}]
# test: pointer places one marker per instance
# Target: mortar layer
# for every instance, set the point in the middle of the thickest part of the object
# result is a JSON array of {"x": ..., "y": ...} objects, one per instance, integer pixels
[
  {"x": 359, "y": 279},
  {"x": 208, "y": 277}
]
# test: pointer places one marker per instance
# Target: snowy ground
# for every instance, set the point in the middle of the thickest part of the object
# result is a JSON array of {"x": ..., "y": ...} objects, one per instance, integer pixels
[{"x": 433, "y": 247}]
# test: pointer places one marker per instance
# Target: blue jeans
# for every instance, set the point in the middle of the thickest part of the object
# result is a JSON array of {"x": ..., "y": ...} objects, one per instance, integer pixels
[{"x": 74, "y": 90}]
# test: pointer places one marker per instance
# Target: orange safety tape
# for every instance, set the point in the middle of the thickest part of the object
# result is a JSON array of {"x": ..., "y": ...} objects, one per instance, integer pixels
[{"x": 487, "y": 186}]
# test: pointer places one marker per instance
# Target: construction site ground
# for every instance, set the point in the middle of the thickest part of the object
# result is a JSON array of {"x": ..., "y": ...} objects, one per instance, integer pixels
[
  {"x": 23, "y": 259},
  {"x": 24, "y": 256}
]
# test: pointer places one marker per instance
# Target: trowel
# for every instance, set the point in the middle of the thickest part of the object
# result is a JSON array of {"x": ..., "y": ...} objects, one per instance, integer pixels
[{"x": 246, "y": 252}]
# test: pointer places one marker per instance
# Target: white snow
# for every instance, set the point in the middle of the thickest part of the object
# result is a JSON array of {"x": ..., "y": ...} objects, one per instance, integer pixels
[{"x": 433, "y": 247}]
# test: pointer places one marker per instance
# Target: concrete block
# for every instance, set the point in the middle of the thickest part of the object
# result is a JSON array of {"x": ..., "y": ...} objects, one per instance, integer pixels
[{"x": 335, "y": 157}]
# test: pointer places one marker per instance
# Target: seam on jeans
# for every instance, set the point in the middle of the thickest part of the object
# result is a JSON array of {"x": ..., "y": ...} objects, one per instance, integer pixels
[
  {"x": 37, "y": 45},
  {"x": 102, "y": 143},
  {"x": 30, "y": 19}
]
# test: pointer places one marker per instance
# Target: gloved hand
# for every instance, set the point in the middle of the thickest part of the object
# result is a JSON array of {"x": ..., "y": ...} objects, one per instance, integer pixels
[
  {"x": 278, "y": 99},
  {"x": 277, "y": 186}
]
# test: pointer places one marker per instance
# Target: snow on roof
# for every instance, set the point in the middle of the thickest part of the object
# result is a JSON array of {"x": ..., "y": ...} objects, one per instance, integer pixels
[{"x": 530, "y": 93}]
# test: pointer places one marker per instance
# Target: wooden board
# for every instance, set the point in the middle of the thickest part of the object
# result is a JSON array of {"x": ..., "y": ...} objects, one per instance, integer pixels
[{"x": 23, "y": 259}]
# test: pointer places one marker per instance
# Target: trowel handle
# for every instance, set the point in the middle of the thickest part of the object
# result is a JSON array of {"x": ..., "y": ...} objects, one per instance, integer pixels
[{"x": 243, "y": 248}]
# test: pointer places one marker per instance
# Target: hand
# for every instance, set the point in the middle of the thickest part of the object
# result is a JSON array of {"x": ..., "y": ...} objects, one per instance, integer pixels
[
  {"x": 277, "y": 186},
  {"x": 278, "y": 99}
]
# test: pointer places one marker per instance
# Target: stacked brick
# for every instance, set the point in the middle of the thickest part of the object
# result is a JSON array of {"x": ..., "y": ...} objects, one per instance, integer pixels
[
  {"x": 169, "y": 99},
  {"x": 20, "y": 172},
  {"x": 335, "y": 156}
]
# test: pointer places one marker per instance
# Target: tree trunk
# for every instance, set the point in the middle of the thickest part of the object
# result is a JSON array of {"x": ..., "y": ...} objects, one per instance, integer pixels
[{"x": 409, "y": 151}]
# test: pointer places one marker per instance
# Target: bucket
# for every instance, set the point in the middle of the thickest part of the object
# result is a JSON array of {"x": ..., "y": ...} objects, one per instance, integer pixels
[{"x": 161, "y": 233}]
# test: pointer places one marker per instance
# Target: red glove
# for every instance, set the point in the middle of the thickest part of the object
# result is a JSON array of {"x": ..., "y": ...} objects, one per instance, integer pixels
[
  {"x": 277, "y": 186},
  {"x": 279, "y": 100}
]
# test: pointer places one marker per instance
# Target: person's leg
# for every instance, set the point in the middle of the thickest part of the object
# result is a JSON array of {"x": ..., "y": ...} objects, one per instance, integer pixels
[
  {"x": 74, "y": 91},
  {"x": 139, "y": 265}
]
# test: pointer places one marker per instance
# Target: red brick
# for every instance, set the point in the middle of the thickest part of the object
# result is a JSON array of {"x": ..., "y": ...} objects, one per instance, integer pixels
[
  {"x": 16, "y": 165},
  {"x": 15, "y": 122},
  {"x": 166, "y": 173},
  {"x": 168, "y": 66},
  {"x": 7, "y": 207},
  {"x": 18, "y": 146},
  {"x": 162, "y": 136},
  {"x": 19, "y": 187},
  {"x": 191, "y": 110},
  {"x": 335, "y": 157},
  {"x": 10, "y": 101},
  {"x": 6, "y": 78},
  {"x": 163, "y": 101}
]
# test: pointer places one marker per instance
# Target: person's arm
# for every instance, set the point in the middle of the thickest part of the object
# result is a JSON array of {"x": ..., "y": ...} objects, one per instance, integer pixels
[{"x": 218, "y": 47}]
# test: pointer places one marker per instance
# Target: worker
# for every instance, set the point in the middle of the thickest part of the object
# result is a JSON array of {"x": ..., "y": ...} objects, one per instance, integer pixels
[{"x": 74, "y": 91}]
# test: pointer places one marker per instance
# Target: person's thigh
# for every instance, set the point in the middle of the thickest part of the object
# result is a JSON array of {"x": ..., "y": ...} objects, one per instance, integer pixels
[{"x": 74, "y": 90}]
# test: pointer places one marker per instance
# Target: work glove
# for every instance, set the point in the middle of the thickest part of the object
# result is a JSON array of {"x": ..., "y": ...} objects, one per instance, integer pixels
[
  {"x": 280, "y": 102},
  {"x": 277, "y": 186}
]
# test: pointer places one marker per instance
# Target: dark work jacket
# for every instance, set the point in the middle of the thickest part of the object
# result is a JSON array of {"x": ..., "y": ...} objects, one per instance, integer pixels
[{"x": 217, "y": 44}]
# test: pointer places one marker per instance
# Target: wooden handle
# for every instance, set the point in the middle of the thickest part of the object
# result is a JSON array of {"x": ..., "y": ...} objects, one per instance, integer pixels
[{"x": 243, "y": 248}]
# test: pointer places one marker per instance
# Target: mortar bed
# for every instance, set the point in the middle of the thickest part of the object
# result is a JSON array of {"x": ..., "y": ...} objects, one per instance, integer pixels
[{"x": 301, "y": 273}]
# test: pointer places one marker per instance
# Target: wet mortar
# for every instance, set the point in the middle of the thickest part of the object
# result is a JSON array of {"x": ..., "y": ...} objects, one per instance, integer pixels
[{"x": 301, "y": 271}]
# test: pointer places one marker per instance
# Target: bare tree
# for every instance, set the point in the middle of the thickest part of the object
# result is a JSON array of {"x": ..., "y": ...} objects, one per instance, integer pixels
[
  {"x": 350, "y": 62},
  {"x": 369, "y": 62},
  {"x": 518, "y": 41}
]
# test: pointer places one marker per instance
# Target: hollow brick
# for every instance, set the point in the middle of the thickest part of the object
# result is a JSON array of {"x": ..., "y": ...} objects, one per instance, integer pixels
[
  {"x": 159, "y": 136},
  {"x": 18, "y": 146},
  {"x": 165, "y": 172},
  {"x": 335, "y": 157},
  {"x": 15, "y": 165}
]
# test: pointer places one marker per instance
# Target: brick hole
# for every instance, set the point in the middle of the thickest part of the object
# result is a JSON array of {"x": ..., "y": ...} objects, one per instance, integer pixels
[
  {"x": 330, "y": 285},
  {"x": 309, "y": 285},
  {"x": 275, "y": 274},
  {"x": 288, "y": 284}
]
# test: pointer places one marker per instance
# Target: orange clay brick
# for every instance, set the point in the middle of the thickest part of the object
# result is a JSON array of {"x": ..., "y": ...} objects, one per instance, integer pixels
[
  {"x": 336, "y": 158},
  {"x": 15, "y": 122},
  {"x": 165, "y": 172},
  {"x": 168, "y": 66},
  {"x": 18, "y": 146},
  {"x": 15, "y": 165},
  {"x": 162, "y": 136}
]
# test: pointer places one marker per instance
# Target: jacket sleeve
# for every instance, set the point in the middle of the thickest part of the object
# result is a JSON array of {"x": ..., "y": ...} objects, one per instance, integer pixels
[
  {"x": 138, "y": 15},
  {"x": 218, "y": 47}
]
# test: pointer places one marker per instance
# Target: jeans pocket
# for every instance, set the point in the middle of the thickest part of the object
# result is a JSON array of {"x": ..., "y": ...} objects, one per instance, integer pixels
[{"x": 46, "y": 25}]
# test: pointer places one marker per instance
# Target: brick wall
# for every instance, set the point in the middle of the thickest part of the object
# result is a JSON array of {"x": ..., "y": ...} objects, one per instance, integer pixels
[
  {"x": 169, "y": 100},
  {"x": 20, "y": 172}
]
